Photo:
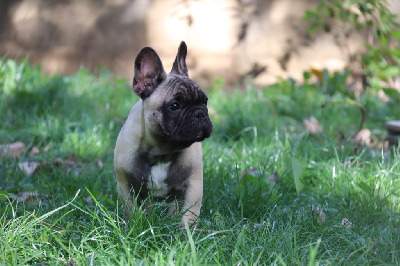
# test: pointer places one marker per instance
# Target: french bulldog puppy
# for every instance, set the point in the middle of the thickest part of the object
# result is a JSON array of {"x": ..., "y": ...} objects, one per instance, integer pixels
[{"x": 158, "y": 151}]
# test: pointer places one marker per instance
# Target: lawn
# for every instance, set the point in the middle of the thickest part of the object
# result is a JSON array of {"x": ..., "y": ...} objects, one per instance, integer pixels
[{"x": 275, "y": 191}]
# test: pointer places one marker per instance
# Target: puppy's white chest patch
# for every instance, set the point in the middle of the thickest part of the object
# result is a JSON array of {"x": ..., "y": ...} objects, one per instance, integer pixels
[{"x": 156, "y": 183}]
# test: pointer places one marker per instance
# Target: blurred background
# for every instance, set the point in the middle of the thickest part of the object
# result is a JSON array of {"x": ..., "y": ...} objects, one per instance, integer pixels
[{"x": 230, "y": 39}]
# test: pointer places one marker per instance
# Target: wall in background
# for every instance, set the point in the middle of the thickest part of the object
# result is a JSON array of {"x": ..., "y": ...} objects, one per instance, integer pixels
[{"x": 232, "y": 39}]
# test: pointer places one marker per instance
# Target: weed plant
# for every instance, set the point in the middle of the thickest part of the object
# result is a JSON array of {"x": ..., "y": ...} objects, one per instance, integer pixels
[{"x": 302, "y": 198}]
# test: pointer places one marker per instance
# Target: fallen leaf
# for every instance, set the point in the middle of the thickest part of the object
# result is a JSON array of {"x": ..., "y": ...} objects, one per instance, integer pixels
[
  {"x": 362, "y": 137},
  {"x": 34, "y": 151},
  {"x": 273, "y": 177},
  {"x": 58, "y": 161},
  {"x": 321, "y": 215},
  {"x": 69, "y": 164},
  {"x": 29, "y": 167},
  {"x": 26, "y": 197},
  {"x": 13, "y": 150},
  {"x": 89, "y": 199},
  {"x": 382, "y": 145},
  {"x": 375, "y": 143},
  {"x": 346, "y": 223},
  {"x": 100, "y": 163},
  {"x": 72, "y": 262},
  {"x": 316, "y": 72},
  {"x": 312, "y": 125},
  {"x": 70, "y": 160}
]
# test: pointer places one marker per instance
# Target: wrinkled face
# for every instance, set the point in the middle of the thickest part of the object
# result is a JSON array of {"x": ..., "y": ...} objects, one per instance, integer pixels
[
  {"x": 183, "y": 115},
  {"x": 175, "y": 108}
]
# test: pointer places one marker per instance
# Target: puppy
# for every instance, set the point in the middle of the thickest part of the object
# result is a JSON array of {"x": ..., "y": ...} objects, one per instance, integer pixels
[{"x": 158, "y": 151}]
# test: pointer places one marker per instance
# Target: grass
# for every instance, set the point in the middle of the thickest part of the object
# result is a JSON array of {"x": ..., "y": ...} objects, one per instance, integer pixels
[{"x": 78, "y": 219}]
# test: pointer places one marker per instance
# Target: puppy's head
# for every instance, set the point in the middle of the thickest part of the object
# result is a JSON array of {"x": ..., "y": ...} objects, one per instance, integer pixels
[{"x": 175, "y": 107}]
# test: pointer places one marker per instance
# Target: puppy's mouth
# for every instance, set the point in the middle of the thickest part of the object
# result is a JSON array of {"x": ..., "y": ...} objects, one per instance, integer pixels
[
  {"x": 207, "y": 130},
  {"x": 203, "y": 134},
  {"x": 186, "y": 142},
  {"x": 189, "y": 134},
  {"x": 199, "y": 137}
]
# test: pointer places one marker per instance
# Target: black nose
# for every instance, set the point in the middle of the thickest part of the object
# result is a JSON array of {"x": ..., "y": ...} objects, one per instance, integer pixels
[{"x": 199, "y": 114}]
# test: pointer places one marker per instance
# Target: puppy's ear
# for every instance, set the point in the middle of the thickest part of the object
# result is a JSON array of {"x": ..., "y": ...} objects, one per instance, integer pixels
[
  {"x": 149, "y": 72},
  {"x": 180, "y": 66}
]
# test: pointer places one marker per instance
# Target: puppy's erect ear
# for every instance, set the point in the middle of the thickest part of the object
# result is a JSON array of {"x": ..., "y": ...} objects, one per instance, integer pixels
[
  {"x": 180, "y": 66},
  {"x": 149, "y": 72}
]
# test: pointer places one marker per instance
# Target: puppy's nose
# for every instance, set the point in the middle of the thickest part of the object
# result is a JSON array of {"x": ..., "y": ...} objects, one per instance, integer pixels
[{"x": 199, "y": 114}]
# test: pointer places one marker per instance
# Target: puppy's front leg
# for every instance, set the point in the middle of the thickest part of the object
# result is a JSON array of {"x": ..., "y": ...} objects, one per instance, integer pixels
[
  {"x": 193, "y": 198},
  {"x": 124, "y": 193}
]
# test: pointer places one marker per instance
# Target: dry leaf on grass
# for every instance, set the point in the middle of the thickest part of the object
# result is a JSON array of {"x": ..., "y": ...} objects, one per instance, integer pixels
[
  {"x": 318, "y": 73},
  {"x": 346, "y": 223},
  {"x": 100, "y": 163},
  {"x": 70, "y": 160},
  {"x": 29, "y": 167},
  {"x": 89, "y": 199},
  {"x": 13, "y": 150},
  {"x": 312, "y": 125},
  {"x": 70, "y": 164},
  {"x": 321, "y": 215},
  {"x": 273, "y": 178},
  {"x": 26, "y": 197},
  {"x": 362, "y": 137},
  {"x": 375, "y": 143},
  {"x": 34, "y": 151},
  {"x": 72, "y": 262},
  {"x": 58, "y": 161}
]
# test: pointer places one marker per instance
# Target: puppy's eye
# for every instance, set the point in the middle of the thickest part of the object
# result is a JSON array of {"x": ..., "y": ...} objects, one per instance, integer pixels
[{"x": 174, "y": 107}]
